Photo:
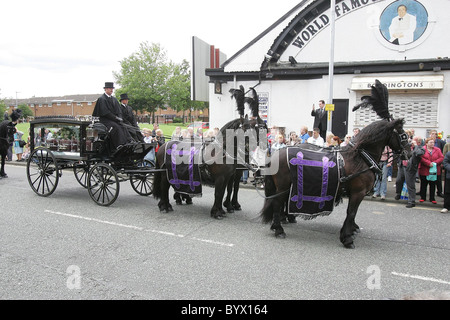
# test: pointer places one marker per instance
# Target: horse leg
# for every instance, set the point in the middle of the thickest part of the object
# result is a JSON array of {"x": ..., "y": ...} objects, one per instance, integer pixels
[
  {"x": 164, "y": 203},
  {"x": 177, "y": 198},
  {"x": 236, "y": 184},
  {"x": 186, "y": 198},
  {"x": 277, "y": 207},
  {"x": 227, "y": 203},
  {"x": 2, "y": 169},
  {"x": 350, "y": 228},
  {"x": 217, "y": 211}
]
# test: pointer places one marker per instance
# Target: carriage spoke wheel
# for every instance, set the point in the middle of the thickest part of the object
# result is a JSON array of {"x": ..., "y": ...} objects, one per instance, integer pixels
[
  {"x": 142, "y": 183},
  {"x": 103, "y": 184},
  {"x": 42, "y": 172},
  {"x": 81, "y": 172}
]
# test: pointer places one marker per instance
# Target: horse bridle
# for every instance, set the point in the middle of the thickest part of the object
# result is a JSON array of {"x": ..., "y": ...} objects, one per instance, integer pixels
[{"x": 403, "y": 141}]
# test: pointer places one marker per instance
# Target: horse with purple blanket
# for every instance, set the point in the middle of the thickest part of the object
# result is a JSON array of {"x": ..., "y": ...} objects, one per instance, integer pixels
[{"x": 313, "y": 184}]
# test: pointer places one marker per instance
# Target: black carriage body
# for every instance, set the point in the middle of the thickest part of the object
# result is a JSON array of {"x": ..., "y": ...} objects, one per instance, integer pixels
[
  {"x": 70, "y": 138},
  {"x": 83, "y": 146}
]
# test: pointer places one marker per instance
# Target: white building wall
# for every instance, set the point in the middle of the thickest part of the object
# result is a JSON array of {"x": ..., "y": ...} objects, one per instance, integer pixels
[{"x": 290, "y": 101}]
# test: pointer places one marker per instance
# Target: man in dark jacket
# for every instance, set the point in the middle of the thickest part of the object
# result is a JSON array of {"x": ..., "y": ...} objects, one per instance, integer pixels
[
  {"x": 320, "y": 119},
  {"x": 129, "y": 119},
  {"x": 7, "y": 130},
  {"x": 107, "y": 109},
  {"x": 411, "y": 170}
]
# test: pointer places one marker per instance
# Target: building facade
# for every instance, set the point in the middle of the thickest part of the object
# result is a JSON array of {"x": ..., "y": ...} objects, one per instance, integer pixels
[
  {"x": 402, "y": 43},
  {"x": 82, "y": 106}
]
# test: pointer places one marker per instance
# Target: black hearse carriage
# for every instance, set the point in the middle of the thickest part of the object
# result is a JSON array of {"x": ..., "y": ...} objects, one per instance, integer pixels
[{"x": 61, "y": 144}]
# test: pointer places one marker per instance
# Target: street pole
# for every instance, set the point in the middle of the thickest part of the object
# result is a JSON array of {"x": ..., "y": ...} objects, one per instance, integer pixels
[{"x": 331, "y": 65}]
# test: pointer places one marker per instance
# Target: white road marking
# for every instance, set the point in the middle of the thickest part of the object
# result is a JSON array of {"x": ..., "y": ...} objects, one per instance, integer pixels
[
  {"x": 171, "y": 234},
  {"x": 405, "y": 275}
]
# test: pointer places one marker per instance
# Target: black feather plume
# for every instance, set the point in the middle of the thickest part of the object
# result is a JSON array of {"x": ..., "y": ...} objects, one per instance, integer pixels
[
  {"x": 239, "y": 96},
  {"x": 379, "y": 101},
  {"x": 253, "y": 101}
]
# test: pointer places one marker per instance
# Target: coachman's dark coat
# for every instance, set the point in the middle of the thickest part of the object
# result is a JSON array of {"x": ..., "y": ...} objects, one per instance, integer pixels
[{"x": 109, "y": 112}]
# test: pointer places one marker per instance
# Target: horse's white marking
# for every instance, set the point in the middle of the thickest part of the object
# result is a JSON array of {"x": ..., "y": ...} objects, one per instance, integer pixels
[
  {"x": 171, "y": 234},
  {"x": 405, "y": 275}
]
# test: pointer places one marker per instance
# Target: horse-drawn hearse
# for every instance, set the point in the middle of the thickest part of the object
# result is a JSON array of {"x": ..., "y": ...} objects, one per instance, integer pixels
[
  {"x": 83, "y": 147},
  {"x": 302, "y": 180}
]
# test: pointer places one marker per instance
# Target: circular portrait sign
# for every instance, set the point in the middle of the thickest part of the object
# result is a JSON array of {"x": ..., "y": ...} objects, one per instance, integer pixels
[{"x": 403, "y": 22}]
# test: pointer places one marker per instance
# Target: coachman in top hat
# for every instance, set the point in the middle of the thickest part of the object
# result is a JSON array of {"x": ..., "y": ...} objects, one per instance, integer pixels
[
  {"x": 129, "y": 119},
  {"x": 108, "y": 110}
]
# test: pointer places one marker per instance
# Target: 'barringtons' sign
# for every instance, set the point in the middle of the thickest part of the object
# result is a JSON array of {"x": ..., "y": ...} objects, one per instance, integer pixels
[{"x": 432, "y": 82}]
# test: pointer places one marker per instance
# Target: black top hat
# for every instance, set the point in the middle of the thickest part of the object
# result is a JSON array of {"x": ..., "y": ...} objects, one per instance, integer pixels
[
  {"x": 124, "y": 97},
  {"x": 109, "y": 85}
]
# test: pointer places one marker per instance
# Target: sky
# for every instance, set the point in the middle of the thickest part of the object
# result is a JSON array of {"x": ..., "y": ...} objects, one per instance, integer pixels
[{"x": 57, "y": 48}]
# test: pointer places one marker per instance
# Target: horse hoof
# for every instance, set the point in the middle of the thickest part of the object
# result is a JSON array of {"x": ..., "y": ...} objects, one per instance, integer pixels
[
  {"x": 237, "y": 208},
  {"x": 349, "y": 246},
  {"x": 189, "y": 202},
  {"x": 178, "y": 203},
  {"x": 230, "y": 210},
  {"x": 280, "y": 235},
  {"x": 217, "y": 216}
]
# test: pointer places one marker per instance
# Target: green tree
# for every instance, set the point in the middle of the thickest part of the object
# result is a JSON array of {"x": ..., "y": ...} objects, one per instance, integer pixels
[
  {"x": 180, "y": 90},
  {"x": 2, "y": 107},
  {"x": 143, "y": 76},
  {"x": 26, "y": 110},
  {"x": 180, "y": 87}
]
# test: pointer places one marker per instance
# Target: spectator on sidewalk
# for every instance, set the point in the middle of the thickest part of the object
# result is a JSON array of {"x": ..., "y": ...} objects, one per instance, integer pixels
[
  {"x": 432, "y": 157},
  {"x": 438, "y": 143},
  {"x": 386, "y": 161},
  {"x": 410, "y": 172}
]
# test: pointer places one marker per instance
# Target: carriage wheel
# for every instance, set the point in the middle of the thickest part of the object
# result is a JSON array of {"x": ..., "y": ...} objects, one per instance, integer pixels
[
  {"x": 142, "y": 183},
  {"x": 103, "y": 184},
  {"x": 81, "y": 172},
  {"x": 42, "y": 172}
]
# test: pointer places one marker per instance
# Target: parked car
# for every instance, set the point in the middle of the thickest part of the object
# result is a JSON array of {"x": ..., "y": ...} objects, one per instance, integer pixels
[{"x": 196, "y": 125}]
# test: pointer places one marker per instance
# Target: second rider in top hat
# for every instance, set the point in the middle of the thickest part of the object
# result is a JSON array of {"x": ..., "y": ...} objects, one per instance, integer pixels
[{"x": 129, "y": 119}]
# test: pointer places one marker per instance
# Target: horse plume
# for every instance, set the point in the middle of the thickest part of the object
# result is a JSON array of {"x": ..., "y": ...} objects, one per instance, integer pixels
[
  {"x": 253, "y": 101},
  {"x": 239, "y": 96},
  {"x": 379, "y": 101},
  {"x": 16, "y": 114}
]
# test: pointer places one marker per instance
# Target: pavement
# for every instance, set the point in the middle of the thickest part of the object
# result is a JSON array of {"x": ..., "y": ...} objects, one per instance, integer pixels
[{"x": 390, "y": 195}]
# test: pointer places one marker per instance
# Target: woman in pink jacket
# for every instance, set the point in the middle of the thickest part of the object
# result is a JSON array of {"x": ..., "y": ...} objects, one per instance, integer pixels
[{"x": 433, "y": 155}]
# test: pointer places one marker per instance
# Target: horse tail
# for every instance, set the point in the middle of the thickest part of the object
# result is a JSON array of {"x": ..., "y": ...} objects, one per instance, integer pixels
[
  {"x": 270, "y": 189},
  {"x": 157, "y": 179}
]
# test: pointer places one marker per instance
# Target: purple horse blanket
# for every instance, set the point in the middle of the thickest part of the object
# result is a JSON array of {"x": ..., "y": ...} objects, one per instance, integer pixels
[
  {"x": 315, "y": 181},
  {"x": 182, "y": 161}
]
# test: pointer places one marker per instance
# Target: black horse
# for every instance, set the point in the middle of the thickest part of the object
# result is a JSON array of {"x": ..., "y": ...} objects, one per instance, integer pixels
[
  {"x": 358, "y": 172},
  {"x": 7, "y": 130},
  {"x": 231, "y": 202},
  {"x": 218, "y": 170}
]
